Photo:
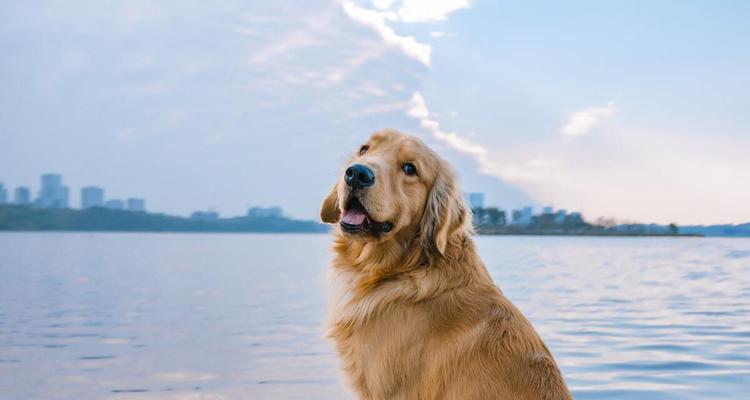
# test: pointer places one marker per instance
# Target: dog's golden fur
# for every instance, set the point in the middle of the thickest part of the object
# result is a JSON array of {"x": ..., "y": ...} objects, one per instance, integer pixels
[{"x": 414, "y": 313}]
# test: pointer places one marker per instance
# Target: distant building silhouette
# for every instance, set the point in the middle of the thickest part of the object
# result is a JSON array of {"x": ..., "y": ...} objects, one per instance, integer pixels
[
  {"x": 526, "y": 214},
  {"x": 488, "y": 216},
  {"x": 114, "y": 204},
  {"x": 92, "y": 196},
  {"x": 548, "y": 210},
  {"x": 136, "y": 204},
  {"x": 476, "y": 200},
  {"x": 3, "y": 194},
  {"x": 560, "y": 217},
  {"x": 264, "y": 212},
  {"x": 205, "y": 215},
  {"x": 522, "y": 216},
  {"x": 575, "y": 218},
  {"x": 53, "y": 193},
  {"x": 22, "y": 195}
]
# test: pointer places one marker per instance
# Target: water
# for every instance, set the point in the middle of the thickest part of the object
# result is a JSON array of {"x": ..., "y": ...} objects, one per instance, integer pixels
[{"x": 189, "y": 316}]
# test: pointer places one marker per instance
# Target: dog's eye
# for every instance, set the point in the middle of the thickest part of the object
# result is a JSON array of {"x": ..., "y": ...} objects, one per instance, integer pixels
[
  {"x": 363, "y": 150},
  {"x": 409, "y": 169}
]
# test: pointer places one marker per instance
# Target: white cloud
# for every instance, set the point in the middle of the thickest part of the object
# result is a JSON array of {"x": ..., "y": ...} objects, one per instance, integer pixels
[
  {"x": 282, "y": 47},
  {"x": 429, "y": 10},
  {"x": 489, "y": 163},
  {"x": 373, "y": 90},
  {"x": 376, "y": 20},
  {"x": 311, "y": 51},
  {"x": 581, "y": 122},
  {"x": 310, "y": 30},
  {"x": 383, "y": 4},
  {"x": 418, "y": 109},
  {"x": 640, "y": 176},
  {"x": 408, "y": 11},
  {"x": 636, "y": 175},
  {"x": 343, "y": 70}
]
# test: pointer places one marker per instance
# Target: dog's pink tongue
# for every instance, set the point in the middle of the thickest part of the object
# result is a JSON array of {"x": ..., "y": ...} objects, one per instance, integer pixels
[{"x": 354, "y": 217}]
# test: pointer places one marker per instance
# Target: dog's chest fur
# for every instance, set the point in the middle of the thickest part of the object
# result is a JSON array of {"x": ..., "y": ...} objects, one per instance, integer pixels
[
  {"x": 400, "y": 339},
  {"x": 380, "y": 348}
]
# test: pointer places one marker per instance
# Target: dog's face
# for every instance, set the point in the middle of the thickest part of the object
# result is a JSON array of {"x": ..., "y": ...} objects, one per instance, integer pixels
[{"x": 393, "y": 183}]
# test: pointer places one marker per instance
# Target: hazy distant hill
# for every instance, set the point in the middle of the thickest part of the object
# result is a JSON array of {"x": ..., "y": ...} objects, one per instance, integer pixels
[{"x": 21, "y": 218}]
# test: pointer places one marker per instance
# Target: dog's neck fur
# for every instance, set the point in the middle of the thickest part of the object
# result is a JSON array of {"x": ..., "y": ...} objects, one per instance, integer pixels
[
  {"x": 367, "y": 267},
  {"x": 397, "y": 254}
]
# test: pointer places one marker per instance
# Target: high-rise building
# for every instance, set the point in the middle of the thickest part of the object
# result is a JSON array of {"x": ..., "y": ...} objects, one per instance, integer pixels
[
  {"x": 527, "y": 213},
  {"x": 547, "y": 210},
  {"x": 3, "y": 194},
  {"x": 114, "y": 204},
  {"x": 476, "y": 200},
  {"x": 575, "y": 218},
  {"x": 560, "y": 216},
  {"x": 522, "y": 216},
  {"x": 136, "y": 204},
  {"x": 515, "y": 217},
  {"x": 92, "y": 196},
  {"x": 22, "y": 195},
  {"x": 53, "y": 193}
]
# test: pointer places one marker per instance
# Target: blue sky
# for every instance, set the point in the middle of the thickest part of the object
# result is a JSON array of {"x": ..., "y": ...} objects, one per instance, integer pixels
[{"x": 636, "y": 110}]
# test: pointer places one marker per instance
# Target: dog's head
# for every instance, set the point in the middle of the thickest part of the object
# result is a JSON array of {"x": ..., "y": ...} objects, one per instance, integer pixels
[{"x": 395, "y": 185}]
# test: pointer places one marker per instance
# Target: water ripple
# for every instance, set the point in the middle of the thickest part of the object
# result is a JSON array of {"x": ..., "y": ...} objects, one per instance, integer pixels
[{"x": 162, "y": 316}]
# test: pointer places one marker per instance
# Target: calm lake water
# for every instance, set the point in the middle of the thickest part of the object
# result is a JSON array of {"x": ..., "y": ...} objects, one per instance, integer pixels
[{"x": 192, "y": 316}]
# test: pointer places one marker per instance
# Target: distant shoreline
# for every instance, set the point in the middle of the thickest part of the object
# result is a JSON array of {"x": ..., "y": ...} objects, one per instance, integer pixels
[
  {"x": 581, "y": 230},
  {"x": 3, "y": 231},
  {"x": 97, "y": 219},
  {"x": 595, "y": 234},
  {"x": 15, "y": 218}
]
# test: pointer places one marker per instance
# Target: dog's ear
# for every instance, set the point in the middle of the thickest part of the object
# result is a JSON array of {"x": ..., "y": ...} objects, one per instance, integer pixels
[
  {"x": 445, "y": 214},
  {"x": 329, "y": 210}
]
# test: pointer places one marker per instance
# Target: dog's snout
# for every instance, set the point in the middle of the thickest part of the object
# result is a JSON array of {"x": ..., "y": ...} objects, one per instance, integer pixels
[{"x": 358, "y": 176}]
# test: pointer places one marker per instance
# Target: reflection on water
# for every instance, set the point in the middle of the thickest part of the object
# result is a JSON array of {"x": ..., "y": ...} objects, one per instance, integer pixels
[
  {"x": 161, "y": 316},
  {"x": 635, "y": 318}
]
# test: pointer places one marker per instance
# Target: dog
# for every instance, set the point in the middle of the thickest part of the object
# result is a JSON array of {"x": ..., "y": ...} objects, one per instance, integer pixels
[{"x": 414, "y": 313}]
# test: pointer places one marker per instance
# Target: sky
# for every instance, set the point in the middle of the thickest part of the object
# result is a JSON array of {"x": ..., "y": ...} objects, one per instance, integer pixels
[{"x": 636, "y": 110}]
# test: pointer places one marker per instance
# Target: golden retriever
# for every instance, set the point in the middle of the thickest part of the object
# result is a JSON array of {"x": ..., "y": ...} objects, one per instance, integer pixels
[{"x": 414, "y": 313}]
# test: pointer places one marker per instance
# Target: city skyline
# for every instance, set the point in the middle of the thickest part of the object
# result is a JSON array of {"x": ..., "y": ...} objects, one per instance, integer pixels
[
  {"x": 93, "y": 215},
  {"x": 487, "y": 219},
  {"x": 632, "y": 111},
  {"x": 94, "y": 196},
  {"x": 54, "y": 194}
]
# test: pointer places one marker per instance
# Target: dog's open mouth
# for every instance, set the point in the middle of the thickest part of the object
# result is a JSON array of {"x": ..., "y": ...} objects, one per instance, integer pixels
[{"x": 355, "y": 219}]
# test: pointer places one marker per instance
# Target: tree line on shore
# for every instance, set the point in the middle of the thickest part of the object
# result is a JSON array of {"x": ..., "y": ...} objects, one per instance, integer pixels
[
  {"x": 24, "y": 218},
  {"x": 488, "y": 221}
]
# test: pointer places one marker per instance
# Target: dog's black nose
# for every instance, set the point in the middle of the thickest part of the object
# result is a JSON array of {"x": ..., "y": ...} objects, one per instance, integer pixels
[{"x": 359, "y": 176}]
